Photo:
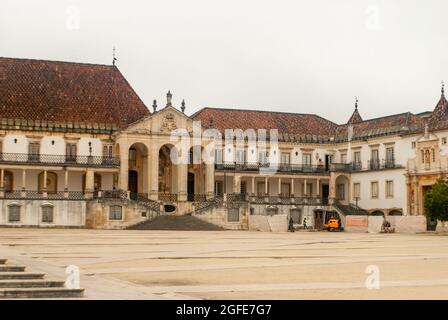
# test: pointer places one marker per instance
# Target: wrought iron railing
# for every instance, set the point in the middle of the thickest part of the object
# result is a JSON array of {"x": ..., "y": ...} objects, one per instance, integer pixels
[
  {"x": 54, "y": 159},
  {"x": 40, "y": 195},
  {"x": 167, "y": 197},
  {"x": 280, "y": 167},
  {"x": 202, "y": 206},
  {"x": 287, "y": 200}
]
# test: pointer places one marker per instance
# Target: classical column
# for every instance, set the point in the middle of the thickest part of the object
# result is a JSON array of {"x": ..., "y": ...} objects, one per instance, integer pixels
[
  {"x": 66, "y": 183},
  {"x": 416, "y": 196},
  {"x": 318, "y": 188},
  {"x": 332, "y": 187},
  {"x": 292, "y": 187},
  {"x": 124, "y": 166},
  {"x": 266, "y": 186},
  {"x": 44, "y": 184},
  {"x": 2, "y": 177},
  {"x": 209, "y": 180},
  {"x": 253, "y": 185},
  {"x": 23, "y": 182},
  {"x": 236, "y": 184},
  {"x": 90, "y": 174},
  {"x": 279, "y": 186},
  {"x": 182, "y": 171},
  {"x": 153, "y": 173}
]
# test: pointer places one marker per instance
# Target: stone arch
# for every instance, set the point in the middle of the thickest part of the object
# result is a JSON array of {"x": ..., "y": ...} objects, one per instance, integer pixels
[
  {"x": 167, "y": 169},
  {"x": 377, "y": 213},
  {"x": 342, "y": 189},
  {"x": 395, "y": 213},
  {"x": 138, "y": 171},
  {"x": 51, "y": 184}
]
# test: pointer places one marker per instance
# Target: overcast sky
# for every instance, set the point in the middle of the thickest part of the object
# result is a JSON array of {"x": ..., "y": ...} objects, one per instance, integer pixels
[{"x": 283, "y": 55}]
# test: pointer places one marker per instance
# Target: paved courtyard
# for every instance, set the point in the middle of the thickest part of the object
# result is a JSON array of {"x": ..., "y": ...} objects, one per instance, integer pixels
[{"x": 235, "y": 264}]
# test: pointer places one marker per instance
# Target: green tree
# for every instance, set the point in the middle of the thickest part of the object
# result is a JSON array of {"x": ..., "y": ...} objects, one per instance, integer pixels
[{"x": 436, "y": 201}]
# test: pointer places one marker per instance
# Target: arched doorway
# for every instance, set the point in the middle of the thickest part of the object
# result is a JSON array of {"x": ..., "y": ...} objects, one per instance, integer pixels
[
  {"x": 343, "y": 190},
  {"x": 196, "y": 172},
  {"x": 51, "y": 183},
  {"x": 190, "y": 186},
  {"x": 133, "y": 181},
  {"x": 138, "y": 169},
  {"x": 167, "y": 171},
  {"x": 377, "y": 213}
]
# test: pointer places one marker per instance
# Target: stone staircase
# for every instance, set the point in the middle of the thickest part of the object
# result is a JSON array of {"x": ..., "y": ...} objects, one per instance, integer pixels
[
  {"x": 17, "y": 283},
  {"x": 172, "y": 222}
]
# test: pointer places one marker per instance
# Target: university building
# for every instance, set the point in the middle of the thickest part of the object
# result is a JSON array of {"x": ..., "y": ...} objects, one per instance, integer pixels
[{"x": 78, "y": 148}]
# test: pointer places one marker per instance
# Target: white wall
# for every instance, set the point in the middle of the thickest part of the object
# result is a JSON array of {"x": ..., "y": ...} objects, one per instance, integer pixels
[{"x": 365, "y": 179}]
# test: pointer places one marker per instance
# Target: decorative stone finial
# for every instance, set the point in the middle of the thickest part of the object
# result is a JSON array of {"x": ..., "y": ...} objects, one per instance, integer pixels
[
  {"x": 443, "y": 88},
  {"x": 154, "y": 106},
  {"x": 183, "y": 106},
  {"x": 356, "y": 103},
  {"x": 169, "y": 97}
]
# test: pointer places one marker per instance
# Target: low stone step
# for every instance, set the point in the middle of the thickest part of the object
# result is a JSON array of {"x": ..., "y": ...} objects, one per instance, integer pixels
[
  {"x": 25, "y": 283},
  {"x": 20, "y": 275},
  {"x": 41, "y": 293},
  {"x": 11, "y": 268}
]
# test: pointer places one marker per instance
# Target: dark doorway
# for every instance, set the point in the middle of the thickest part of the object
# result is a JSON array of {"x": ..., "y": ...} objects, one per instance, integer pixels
[
  {"x": 190, "y": 187},
  {"x": 318, "y": 220},
  {"x": 325, "y": 194},
  {"x": 133, "y": 181}
]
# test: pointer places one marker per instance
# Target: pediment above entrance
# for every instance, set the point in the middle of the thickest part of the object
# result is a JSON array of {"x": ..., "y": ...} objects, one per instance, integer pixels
[{"x": 162, "y": 122}]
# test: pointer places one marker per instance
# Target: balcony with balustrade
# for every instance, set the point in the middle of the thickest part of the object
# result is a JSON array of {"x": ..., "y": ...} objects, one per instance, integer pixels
[{"x": 59, "y": 160}]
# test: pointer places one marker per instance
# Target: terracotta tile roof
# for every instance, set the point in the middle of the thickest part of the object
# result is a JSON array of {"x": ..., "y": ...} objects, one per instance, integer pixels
[
  {"x": 291, "y": 123},
  {"x": 355, "y": 118},
  {"x": 439, "y": 118},
  {"x": 394, "y": 124},
  {"x": 64, "y": 91}
]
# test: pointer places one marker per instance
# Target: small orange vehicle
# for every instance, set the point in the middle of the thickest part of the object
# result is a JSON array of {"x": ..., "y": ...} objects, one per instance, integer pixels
[{"x": 333, "y": 224}]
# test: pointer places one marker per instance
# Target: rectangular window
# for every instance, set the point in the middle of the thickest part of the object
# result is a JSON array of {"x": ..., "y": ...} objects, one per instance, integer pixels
[
  {"x": 233, "y": 215},
  {"x": 374, "y": 159},
  {"x": 284, "y": 158},
  {"x": 132, "y": 157},
  {"x": 70, "y": 152},
  {"x": 296, "y": 215},
  {"x": 357, "y": 159},
  {"x": 340, "y": 192},
  {"x": 240, "y": 156},
  {"x": 356, "y": 191},
  {"x": 47, "y": 214},
  {"x": 218, "y": 156},
  {"x": 422, "y": 155},
  {"x": 389, "y": 189},
  {"x": 115, "y": 213},
  {"x": 108, "y": 151},
  {"x": 262, "y": 157},
  {"x": 343, "y": 158},
  {"x": 33, "y": 151},
  {"x": 307, "y": 159},
  {"x": 390, "y": 154},
  {"x": 374, "y": 189},
  {"x": 444, "y": 141},
  {"x": 14, "y": 213}
]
